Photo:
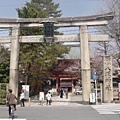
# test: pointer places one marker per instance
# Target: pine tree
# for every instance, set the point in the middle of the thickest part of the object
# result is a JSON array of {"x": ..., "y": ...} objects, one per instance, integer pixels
[{"x": 38, "y": 59}]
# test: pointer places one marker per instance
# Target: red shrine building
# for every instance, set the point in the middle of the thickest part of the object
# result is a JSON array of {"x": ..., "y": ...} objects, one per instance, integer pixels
[{"x": 66, "y": 74}]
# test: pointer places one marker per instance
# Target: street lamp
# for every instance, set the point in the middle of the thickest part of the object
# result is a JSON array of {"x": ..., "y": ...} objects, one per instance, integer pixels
[
  {"x": 25, "y": 87},
  {"x": 24, "y": 73},
  {"x": 95, "y": 77},
  {"x": 48, "y": 31}
]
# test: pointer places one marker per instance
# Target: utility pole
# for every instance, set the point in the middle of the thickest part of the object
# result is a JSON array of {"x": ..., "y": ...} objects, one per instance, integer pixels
[
  {"x": 119, "y": 20},
  {"x": 119, "y": 42}
]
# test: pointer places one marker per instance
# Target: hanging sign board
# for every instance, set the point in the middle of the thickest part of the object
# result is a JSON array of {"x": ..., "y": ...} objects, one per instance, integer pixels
[
  {"x": 26, "y": 91},
  {"x": 92, "y": 97}
]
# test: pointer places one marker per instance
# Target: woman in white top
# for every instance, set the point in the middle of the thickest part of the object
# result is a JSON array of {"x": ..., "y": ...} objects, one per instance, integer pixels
[
  {"x": 22, "y": 99},
  {"x": 48, "y": 98}
]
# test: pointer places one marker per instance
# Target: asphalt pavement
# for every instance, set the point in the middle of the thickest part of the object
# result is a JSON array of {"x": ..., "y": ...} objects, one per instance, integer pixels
[{"x": 64, "y": 109}]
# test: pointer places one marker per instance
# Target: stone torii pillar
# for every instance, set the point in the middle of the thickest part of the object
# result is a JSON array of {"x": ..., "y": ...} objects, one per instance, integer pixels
[
  {"x": 85, "y": 63},
  {"x": 14, "y": 59}
]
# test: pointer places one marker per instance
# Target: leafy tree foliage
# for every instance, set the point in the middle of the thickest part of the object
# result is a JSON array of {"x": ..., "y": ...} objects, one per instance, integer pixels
[
  {"x": 49, "y": 7},
  {"x": 4, "y": 65},
  {"x": 38, "y": 59},
  {"x": 113, "y": 30}
]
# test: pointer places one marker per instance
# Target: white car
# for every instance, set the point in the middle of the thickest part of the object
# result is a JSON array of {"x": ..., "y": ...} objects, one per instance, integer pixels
[{"x": 78, "y": 91}]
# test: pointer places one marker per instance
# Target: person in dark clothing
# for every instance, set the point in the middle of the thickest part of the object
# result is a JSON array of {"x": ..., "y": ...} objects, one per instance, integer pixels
[
  {"x": 58, "y": 91},
  {"x": 61, "y": 93}
]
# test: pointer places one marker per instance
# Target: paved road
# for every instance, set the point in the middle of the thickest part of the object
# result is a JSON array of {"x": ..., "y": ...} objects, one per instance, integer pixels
[{"x": 65, "y": 109}]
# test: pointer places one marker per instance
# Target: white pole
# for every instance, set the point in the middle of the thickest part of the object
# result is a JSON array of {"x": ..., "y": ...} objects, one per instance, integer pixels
[
  {"x": 96, "y": 90},
  {"x": 101, "y": 92}
]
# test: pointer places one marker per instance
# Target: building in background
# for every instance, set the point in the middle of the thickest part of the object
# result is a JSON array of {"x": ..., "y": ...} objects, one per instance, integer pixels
[{"x": 66, "y": 74}]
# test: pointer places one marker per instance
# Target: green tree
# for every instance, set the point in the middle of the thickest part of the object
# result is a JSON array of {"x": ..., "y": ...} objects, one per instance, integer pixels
[
  {"x": 39, "y": 59},
  {"x": 4, "y": 65},
  {"x": 50, "y": 8}
]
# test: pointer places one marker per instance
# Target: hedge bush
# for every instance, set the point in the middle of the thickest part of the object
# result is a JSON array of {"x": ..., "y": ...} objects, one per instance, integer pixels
[{"x": 3, "y": 93}]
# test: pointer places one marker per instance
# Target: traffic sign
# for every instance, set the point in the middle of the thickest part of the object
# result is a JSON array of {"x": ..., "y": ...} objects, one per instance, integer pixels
[{"x": 94, "y": 76}]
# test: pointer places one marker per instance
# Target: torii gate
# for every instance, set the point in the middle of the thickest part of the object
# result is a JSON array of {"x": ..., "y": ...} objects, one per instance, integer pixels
[{"x": 84, "y": 38}]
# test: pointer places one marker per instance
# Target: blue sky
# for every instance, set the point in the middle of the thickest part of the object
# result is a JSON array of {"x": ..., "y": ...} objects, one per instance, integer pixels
[
  {"x": 79, "y": 7},
  {"x": 68, "y": 7}
]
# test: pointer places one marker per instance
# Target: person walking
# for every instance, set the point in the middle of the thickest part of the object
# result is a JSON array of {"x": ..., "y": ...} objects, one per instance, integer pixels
[
  {"x": 11, "y": 100},
  {"x": 61, "y": 93},
  {"x": 66, "y": 93},
  {"x": 48, "y": 98},
  {"x": 58, "y": 91},
  {"x": 22, "y": 98}
]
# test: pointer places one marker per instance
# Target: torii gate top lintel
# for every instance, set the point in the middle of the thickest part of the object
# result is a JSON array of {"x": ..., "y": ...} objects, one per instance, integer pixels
[{"x": 107, "y": 16}]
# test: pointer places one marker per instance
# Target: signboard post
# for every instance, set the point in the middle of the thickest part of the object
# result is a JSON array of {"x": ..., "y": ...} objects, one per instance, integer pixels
[
  {"x": 41, "y": 98},
  {"x": 94, "y": 77},
  {"x": 92, "y": 97},
  {"x": 119, "y": 87},
  {"x": 26, "y": 91}
]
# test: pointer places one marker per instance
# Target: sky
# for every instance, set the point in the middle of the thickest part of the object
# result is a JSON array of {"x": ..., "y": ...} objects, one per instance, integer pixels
[{"x": 69, "y": 8}]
